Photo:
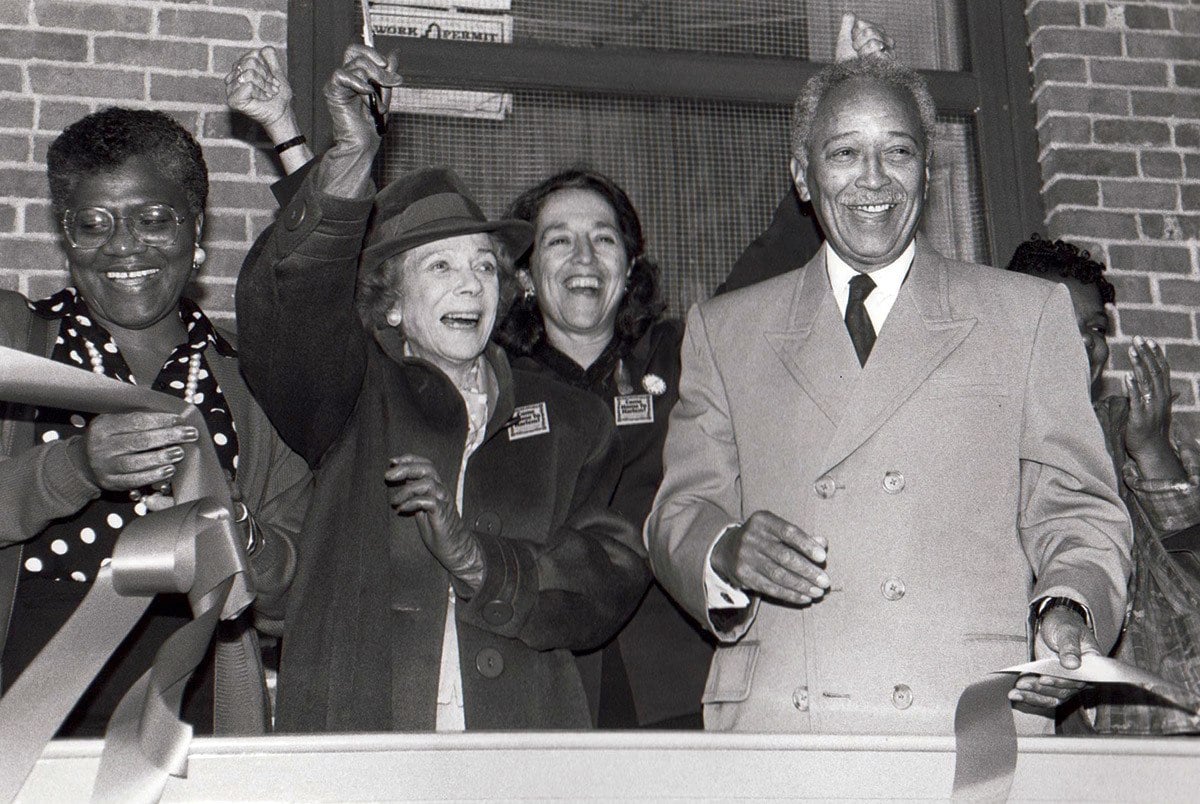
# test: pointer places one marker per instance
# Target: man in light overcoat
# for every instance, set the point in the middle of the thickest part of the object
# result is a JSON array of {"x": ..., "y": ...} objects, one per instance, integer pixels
[{"x": 884, "y": 479}]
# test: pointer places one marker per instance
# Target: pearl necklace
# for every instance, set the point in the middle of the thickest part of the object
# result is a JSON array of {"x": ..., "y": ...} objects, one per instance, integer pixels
[{"x": 193, "y": 374}]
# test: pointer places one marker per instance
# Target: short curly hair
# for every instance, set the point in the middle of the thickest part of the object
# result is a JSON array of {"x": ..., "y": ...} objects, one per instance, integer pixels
[
  {"x": 377, "y": 287},
  {"x": 907, "y": 80},
  {"x": 1038, "y": 256},
  {"x": 642, "y": 303},
  {"x": 105, "y": 140}
]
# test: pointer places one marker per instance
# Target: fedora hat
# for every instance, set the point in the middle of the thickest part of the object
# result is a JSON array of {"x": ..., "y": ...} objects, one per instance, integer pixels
[{"x": 427, "y": 205}]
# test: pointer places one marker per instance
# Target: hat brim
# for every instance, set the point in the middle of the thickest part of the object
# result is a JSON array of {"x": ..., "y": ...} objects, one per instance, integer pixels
[{"x": 515, "y": 234}]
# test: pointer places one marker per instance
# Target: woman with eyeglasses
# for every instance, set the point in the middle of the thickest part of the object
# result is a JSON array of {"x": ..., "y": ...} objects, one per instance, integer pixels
[{"x": 128, "y": 188}]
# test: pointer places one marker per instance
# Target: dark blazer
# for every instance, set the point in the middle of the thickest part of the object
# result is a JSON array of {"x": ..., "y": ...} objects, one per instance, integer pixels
[
  {"x": 362, "y": 644},
  {"x": 789, "y": 242}
]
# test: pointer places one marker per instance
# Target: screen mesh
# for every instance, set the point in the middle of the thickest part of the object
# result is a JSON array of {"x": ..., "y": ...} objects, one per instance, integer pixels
[
  {"x": 929, "y": 34},
  {"x": 704, "y": 176}
]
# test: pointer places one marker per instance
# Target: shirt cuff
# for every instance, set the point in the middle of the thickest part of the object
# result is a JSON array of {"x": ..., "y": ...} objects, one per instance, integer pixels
[
  {"x": 717, "y": 593},
  {"x": 1039, "y": 606}
]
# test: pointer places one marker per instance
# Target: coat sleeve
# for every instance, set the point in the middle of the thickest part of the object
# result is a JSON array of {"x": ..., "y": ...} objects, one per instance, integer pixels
[
  {"x": 38, "y": 485},
  {"x": 1073, "y": 526},
  {"x": 582, "y": 584},
  {"x": 700, "y": 494},
  {"x": 302, "y": 347}
]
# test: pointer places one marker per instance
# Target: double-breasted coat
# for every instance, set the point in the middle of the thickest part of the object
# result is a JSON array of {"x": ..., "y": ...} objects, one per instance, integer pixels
[{"x": 957, "y": 477}]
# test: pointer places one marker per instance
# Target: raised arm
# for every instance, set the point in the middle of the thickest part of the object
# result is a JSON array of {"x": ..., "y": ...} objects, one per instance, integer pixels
[{"x": 258, "y": 87}]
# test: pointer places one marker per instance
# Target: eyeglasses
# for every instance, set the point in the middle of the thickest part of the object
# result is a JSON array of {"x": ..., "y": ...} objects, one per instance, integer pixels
[{"x": 92, "y": 227}]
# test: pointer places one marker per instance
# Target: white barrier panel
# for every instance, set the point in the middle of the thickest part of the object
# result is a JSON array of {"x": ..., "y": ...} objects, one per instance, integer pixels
[{"x": 658, "y": 765}]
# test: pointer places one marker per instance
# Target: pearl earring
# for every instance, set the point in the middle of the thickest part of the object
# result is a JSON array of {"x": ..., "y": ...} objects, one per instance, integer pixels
[
  {"x": 199, "y": 255},
  {"x": 394, "y": 317}
]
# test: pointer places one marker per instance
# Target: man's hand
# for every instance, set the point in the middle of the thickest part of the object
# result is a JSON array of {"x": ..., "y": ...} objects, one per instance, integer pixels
[
  {"x": 418, "y": 491},
  {"x": 860, "y": 38},
  {"x": 772, "y": 557},
  {"x": 1148, "y": 431},
  {"x": 345, "y": 170},
  {"x": 257, "y": 87},
  {"x": 1061, "y": 632},
  {"x": 126, "y": 451}
]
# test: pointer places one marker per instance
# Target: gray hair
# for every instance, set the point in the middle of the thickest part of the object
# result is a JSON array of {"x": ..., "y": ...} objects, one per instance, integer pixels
[{"x": 816, "y": 88}]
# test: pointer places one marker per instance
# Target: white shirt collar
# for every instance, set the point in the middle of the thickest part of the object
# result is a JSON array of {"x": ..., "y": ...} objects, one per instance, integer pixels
[{"x": 888, "y": 279}]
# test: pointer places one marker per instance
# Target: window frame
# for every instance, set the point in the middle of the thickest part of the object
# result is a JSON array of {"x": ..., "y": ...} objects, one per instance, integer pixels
[{"x": 996, "y": 90}]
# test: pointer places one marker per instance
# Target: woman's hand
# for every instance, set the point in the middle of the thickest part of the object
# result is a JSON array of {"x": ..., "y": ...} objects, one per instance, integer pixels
[
  {"x": 257, "y": 87},
  {"x": 1148, "y": 431},
  {"x": 130, "y": 450},
  {"x": 418, "y": 491},
  {"x": 861, "y": 38},
  {"x": 345, "y": 170}
]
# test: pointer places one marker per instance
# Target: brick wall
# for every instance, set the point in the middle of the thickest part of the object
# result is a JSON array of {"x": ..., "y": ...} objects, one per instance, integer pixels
[
  {"x": 1117, "y": 91},
  {"x": 60, "y": 59}
]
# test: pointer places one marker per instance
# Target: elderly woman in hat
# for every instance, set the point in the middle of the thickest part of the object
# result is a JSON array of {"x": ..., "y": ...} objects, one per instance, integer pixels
[{"x": 459, "y": 544}]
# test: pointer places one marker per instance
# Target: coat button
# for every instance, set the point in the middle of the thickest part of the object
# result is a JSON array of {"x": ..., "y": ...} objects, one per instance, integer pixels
[
  {"x": 902, "y": 696},
  {"x": 295, "y": 216},
  {"x": 489, "y": 663},
  {"x": 825, "y": 486},
  {"x": 893, "y": 589},
  {"x": 800, "y": 698},
  {"x": 497, "y": 612},
  {"x": 893, "y": 482},
  {"x": 489, "y": 523}
]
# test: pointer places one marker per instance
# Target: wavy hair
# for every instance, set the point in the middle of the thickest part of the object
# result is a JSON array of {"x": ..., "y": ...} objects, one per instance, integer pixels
[
  {"x": 1038, "y": 256},
  {"x": 642, "y": 303}
]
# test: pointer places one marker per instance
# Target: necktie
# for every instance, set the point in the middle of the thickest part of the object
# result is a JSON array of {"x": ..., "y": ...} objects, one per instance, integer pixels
[{"x": 862, "y": 333}]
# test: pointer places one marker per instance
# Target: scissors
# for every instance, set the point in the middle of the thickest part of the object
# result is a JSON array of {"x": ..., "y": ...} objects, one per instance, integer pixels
[{"x": 375, "y": 103}]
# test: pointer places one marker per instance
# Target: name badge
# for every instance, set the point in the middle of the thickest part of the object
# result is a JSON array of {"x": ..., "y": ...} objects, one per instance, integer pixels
[
  {"x": 529, "y": 420},
  {"x": 633, "y": 409}
]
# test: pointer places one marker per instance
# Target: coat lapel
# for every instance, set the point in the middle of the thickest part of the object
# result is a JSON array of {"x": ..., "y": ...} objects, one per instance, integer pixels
[
  {"x": 918, "y": 335},
  {"x": 815, "y": 346}
]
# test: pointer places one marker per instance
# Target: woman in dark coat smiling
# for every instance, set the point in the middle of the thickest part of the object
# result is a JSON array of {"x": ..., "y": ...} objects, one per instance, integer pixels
[{"x": 459, "y": 545}]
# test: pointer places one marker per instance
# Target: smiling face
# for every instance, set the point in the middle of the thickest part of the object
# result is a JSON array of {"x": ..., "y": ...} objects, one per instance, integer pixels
[
  {"x": 579, "y": 265},
  {"x": 1092, "y": 319},
  {"x": 865, "y": 171},
  {"x": 127, "y": 284},
  {"x": 447, "y": 296}
]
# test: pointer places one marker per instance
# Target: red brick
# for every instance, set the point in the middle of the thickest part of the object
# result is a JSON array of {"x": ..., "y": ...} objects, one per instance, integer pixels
[
  {"x": 8, "y": 218},
  {"x": 10, "y": 78},
  {"x": 222, "y": 57},
  {"x": 1187, "y": 21},
  {"x": 1150, "y": 258},
  {"x": 41, "y": 145},
  {"x": 224, "y": 262},
  {"x": 1185, "y": 393},
  {"x": 1179, "y": 291},
  {"x": 1065, "y": 129},
  {"x": 30, "y": 253},
  {"x": 1090, "y": 100},
  {"x": 204, "y": 25},
  {"x": 1155, "y": 323},
  {"x": 27, "y": 182},
  {"x": 1090, "y": 162},
  {"x": 240, "y": 195},
  {"x": 1075, "y": 223},
  {"x": 1058, "y": 41},
  {"x": 272, "y": 29},
  {"x": 55, "y": 115},
  {"x": 1095, "y": 14},
  {"x": 22, "y": 43},
  {"x": 1167, "y": 104},
  {"x": 1147, "y": 17},
  {"x": 186, "y": 88},
  {"x": 1072, "y": 192},
  {"x": 14, "y": 147},
  {"x": 102, "y": 83},
  {"x": 1126, "y": 73},
  {"x": 230, "y": 158},
  {"x": 1187, "y": 135},
  {"x": 1139, "y": 195},
  {"x": 1189, "y": 196},
  {"x": 1071, "y": 70},
  {"x": 93, "y": 17},
  {"x": 1183, "y": 357},
  {"x": 1134, "y": 288},
  {"x": 1187, "y": 75},
  {"x": 259, "y": 223},
  {"x": 1159, "y": 46},
  {"x": 17, "y": 113},
  {"x": 14, "y": 14},
  {"x": 254, "y": 5},
  {"x": 1046, "y": 12},
  {"x": 1127, "y": 131},
  {"x": 1186, "y": 418},
  {"x": 40, "y": 219},
  {"x": 266, "y": 164},
  {"x": 190, "y": 120},
  {"x": 225, "y": 227},
  {"x": 224, "y": 124},
  {"x": 1160, "y": 164},
  {"x": 143, "y": 52},
  {"x": 1191, "y": 166}
]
